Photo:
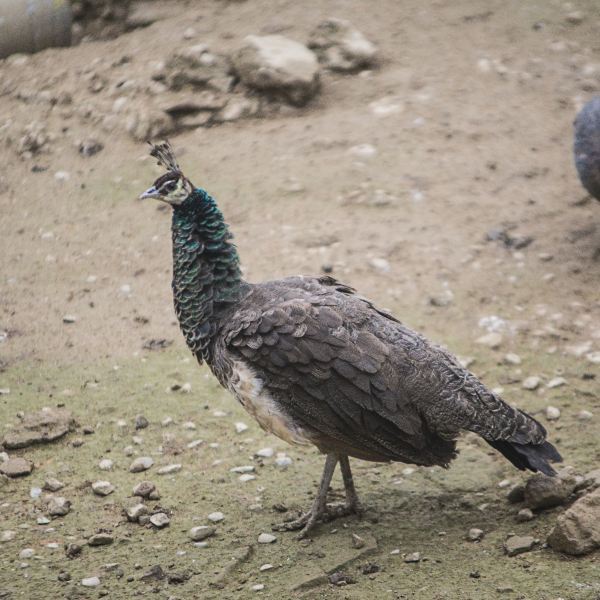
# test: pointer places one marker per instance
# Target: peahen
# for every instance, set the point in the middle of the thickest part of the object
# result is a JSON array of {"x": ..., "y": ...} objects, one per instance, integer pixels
[{"x": 315, "y": 363}]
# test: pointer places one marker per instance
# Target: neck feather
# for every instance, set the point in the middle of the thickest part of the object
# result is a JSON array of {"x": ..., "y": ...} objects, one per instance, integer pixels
[{"x": 206, "y": 269}]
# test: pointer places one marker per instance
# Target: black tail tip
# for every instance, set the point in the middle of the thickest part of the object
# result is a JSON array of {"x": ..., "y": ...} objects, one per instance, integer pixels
[{"x": 532, "y": 457}]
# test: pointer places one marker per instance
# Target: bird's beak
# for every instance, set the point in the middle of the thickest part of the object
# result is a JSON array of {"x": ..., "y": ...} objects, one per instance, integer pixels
[{"x": 150, "y": 193}]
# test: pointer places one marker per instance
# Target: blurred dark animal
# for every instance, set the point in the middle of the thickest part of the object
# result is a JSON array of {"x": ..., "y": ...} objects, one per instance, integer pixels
[
  {"x": 315, "y": 363},
  {"x": 587, "y": 146}
]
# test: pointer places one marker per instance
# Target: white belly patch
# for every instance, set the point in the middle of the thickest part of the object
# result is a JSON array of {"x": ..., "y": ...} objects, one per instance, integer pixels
[{"x": 249, "y": 390}]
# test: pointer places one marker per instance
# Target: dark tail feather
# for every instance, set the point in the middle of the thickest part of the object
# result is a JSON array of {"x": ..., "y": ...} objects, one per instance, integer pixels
[{"x": 528, "y": 456}]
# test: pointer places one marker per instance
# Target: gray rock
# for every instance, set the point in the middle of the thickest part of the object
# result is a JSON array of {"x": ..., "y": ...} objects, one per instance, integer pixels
[
  {"x": 587, "y": 146},
  {"x": 102, "y": 488},
  {"x": 577, "y": 530},
  {"x": 144, "y": 489},
  {"x": 43, "y": 426},
  {"x": 552, "y": 413},
  {"x": 160, "y": 520},
  {"x": 201, "y": 532},
  {"x": 524, "y": 515},
  {"x": 57, "y": 506},
  {"x": 89, "y": 147},
  {"x": 531, "y": 383},
  {"x": 475, "y": 535},
  {"x": 105, "y": 464},
  {"x": 516, "y": 494},
  {"x": 197, "y": 67},
  {"x": 517, "y": 544},
  {"x": 169, "y": 469},
  {"x": 266, "y": 538},
  {"x": 101, "y": 539},
  {"x": 141, "y": 463},
  {"x": 16, "y": 467},
  {"x": 413, "y": 557},
  {"x": 141, "y": 422},
  {"x": 278, "y": 65},
  {"x": 542, "y": 491},
  {"x": 135, "y": 511},
  {"x": 592, "y": 479},
  {"x": 90, "y": 582},
  {"x": 342, "y": 47},
  {"x": 492, "y": 340},
  {"x": 73, "y": 550}
]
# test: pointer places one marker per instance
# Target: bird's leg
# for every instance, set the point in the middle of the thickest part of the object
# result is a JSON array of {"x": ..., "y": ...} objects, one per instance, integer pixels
[
  {"x": 352, "y": 502},
  {"x": 308, "y": 520}
]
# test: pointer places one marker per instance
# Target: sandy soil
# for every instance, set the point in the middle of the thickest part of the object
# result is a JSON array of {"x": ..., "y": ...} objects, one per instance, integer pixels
[{"x": 481, "y": 140}]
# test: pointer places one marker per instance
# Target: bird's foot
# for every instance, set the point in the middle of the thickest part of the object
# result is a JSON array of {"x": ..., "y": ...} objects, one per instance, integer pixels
[{"x": 308, "y": 520}]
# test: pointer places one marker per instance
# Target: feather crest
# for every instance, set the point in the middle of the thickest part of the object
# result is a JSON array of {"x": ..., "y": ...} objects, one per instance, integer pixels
[{"x": 165, "y": 155}]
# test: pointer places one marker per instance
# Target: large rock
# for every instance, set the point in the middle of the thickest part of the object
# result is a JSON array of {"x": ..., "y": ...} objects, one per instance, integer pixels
[
  {"x": 542, "y": 491},
  {"x": 577, "y": 530},
  {"x": 43, "y": 426},
  {"x": 342, "y": 47},
  {"x": 279, "y": 66},
  {"x": 16, "y": 467},
  {"x": 587, "y": 146}
]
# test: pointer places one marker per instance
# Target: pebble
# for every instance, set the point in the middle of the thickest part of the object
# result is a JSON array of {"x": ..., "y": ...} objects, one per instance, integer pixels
[
  {"x": 142, "y": 463},
  {"x": 265, "y": 452},
  {"x": 90, "y": 582},
  {"x": 283, "y": 461},
  {"x": 35, "y": 492},
  {"x": 531, "y": 383},
  {"x": 168, "y": 469},
  {"x": 552, "y": 413},
  {"x": 42, "y": 520},
  {"x": 492, "y": 340},
  {"x": 243, "y": 469},
  {"x": 240, "y": 427},
  {"x": 257, "y": 587},
  {"x": 138, "y": 440},
  {"x": 395, "y": 551},
  {"x": 525, "y": 514},
  {"x": 201, "y": 532},
  {"x": 16, "y": 467},
  {"x": 53, "y": 485},
  {"x": 215, "y": 517},
  {"x": 105, "y": 464},
  {"x": 363, "y": 150},
  {"x": 512, "y": 359},
  {"x": 186, "y": 388},
  {"x": 517, "y": 544},
  {"x": 160, "y": 520},
  {"x": 542, "y": 491},
  {"x": 144, "y": 489},
  {"x": 380, "y": 264},
  {"x": 194, "y": 444},
  {"x": 62, "y": 176},
  {"x": 266, "y": 567},
  {"x": 8, "y": 535},
  {"x": 166, "y": 421},
  {"x": 26, "y": 553},
  {"x": 102, "y": 488},
  {"x": 584, "y": 415},
  {"x": 475, "y": 535},
  {"x": 556, "y": 382},
  {"x": 141, "y": 422},
  {"x": 414, "y": 557},
  {"x": 594, "y": 357},
  {"x": 189, "y": 425},
  {"x": 246, "y": 477},
  {"x": 135, "y": 511},
  {"x": 101, "y": 539},
  {"x": 357, "y": 541},
  {"x": 266, "y": 538},
  {"x": 58, "y": 506}
]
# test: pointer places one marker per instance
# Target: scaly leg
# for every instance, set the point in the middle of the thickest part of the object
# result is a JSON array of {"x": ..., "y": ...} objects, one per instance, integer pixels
[{"x": 320, "y": 509}]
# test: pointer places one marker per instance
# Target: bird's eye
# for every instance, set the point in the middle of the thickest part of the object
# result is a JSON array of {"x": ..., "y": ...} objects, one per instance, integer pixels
[{"x": 169, "y": 186}]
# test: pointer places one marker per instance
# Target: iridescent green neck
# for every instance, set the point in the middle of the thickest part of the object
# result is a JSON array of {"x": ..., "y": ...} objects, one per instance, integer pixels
[{"x": 206, "y": 270}]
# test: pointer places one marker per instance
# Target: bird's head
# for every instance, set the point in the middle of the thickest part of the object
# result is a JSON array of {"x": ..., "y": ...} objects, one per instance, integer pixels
[{"x": 173, "y": 187}]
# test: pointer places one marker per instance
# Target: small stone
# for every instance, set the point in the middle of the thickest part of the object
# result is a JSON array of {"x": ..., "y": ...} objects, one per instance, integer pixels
[
  {"x": 90, "y": 582},
  {"x": 531, "y": 383},
  {"x": 53, "y": 485},
  {"x": 243, "y": 469},
  {"x": 58, "y": 506},
  {"x": 64, "y": 576},
  {"x": 169, "y": 469},
  {"x": 144, "y": 489},
  {"x": 77, "y": 443},
  {"x": 475, "y": 535},
  {"x": 166, "y": 422},
  {"x": 552, "y": 413},
  {"x": 215, "y": 517},
  {"x": 141, "y": 422},
  {"x": 283, "y": 461},
  {"x": 105, "y": 464},
  {"x": 89, "y": 147},
  {"x": 584, "y": 415},
  {"x": 516, "y": 494},
  {"x": 72, "y": 550},
  {"x": 512, "y": 359},
  {"x": 16, "y": 467},
  {"x": 265, "y": 452},
  {"x": 524, "y": 515},
  {"x": 244, "y": 478},
  {"x": 266, "y": 538},
  {"x": 101, "y": 539},
  {"x": 240, "y": 427},
  {"x": 395, "y": 551},
  {"x": 26, "y": 553},
  {"x": 257, "y": 587},
  {"x": 142, "y": 463},
  {"x": 194, "y": 444},
  {"x": 594, "y": 357},
  {"x": 380, "y": 264},
  {"x": 42, "y": 520},
  {"x": 102, "y": 488},
  {"x": 357, "y": 541},
  {"x": 492, "y": 340},
  {"x": 575, "y": 17},
  {"x": 134, "y": 512},
  {"x": 186, "y": 388},
  {"x": 363, "y": 151},
  {"x": 414, "y": 557},
  {"x": 266, "y": 567},
  {"x": 517, "y": 544},
  {"x": 7, "y": 536},
  {"x": 62, "y": 176},
  {"x": 201, "y": 532},
  {"x": 556, "y": 382},
  {"x": 189, "y": 425},
  {"x": 160, "y": 520},
  {"x": 542, "y": 491}
]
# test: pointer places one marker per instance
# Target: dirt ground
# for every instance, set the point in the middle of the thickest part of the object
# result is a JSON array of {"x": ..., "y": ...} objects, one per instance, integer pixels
[{"x": 479, "y": 140}]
